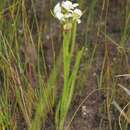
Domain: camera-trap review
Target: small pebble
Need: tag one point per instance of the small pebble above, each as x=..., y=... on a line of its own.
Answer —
x=84, y=111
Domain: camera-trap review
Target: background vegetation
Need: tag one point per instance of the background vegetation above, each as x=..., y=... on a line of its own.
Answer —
x=31, y=67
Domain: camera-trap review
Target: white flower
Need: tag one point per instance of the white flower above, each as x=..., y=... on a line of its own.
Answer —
x=67, y=12
x=67, y=5
x=78, y=12
x=57, y=12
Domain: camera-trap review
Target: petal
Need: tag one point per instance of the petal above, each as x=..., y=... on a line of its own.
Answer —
x=57, y=8
x=79, y=21
x=75, y=5
x=59, y=16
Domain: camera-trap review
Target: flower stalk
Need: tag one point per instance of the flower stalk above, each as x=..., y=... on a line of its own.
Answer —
x=69, y=16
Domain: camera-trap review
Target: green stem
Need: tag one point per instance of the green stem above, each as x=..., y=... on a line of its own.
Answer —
x=74, y=29
x=69, y=38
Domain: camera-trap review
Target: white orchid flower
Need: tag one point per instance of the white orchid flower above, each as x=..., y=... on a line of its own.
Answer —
x=57, y=12
x=78, y=12
x=67, y=5
x=67, y=11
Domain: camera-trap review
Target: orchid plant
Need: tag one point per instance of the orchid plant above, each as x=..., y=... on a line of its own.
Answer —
x=69, y=16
